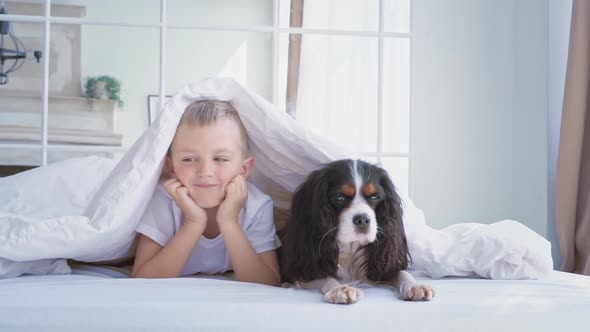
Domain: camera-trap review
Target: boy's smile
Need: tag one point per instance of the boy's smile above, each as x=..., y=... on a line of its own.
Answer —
x=204, y=185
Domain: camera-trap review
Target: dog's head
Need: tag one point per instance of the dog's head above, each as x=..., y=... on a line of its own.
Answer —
x=347, y=201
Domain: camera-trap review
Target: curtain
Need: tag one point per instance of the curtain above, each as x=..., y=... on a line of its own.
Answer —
x=295, y=21
x=573, y=164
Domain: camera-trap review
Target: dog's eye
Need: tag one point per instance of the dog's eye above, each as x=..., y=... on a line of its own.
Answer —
x=374, y=197
x=340, y=198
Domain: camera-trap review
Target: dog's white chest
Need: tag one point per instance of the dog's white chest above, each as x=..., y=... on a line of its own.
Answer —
x=350, y=261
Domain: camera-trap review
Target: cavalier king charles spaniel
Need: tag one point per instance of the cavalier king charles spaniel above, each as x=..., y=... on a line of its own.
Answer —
x=346, y=227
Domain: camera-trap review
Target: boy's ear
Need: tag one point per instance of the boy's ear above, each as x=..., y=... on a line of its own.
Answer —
x=169, y=166
x=247, y=166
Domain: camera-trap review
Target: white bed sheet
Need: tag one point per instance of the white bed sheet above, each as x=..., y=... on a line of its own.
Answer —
x=92, y=301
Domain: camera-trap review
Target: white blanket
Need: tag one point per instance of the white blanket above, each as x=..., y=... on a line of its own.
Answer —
x=87, y=209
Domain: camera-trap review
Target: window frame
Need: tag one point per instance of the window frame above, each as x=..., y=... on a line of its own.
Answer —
x=276, y=30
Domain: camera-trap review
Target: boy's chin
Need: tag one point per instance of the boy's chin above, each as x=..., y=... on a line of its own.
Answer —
x=207, y=203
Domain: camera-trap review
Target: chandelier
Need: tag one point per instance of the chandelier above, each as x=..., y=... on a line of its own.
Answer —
x=12, y=50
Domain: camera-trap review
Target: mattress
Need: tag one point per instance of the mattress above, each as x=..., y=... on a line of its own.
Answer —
x=98, y=299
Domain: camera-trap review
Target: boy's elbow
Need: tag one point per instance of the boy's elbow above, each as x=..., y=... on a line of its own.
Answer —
x=136, y=274
x=141, y=273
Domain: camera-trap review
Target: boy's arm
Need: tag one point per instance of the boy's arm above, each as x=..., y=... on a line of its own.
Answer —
x=155, y=261
x=248, y=265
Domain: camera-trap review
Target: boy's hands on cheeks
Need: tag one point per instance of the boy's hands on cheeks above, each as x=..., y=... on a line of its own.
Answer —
x=180, y=194
x=236, y=193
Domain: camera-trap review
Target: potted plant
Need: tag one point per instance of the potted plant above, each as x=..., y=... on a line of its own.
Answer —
x=103, y=87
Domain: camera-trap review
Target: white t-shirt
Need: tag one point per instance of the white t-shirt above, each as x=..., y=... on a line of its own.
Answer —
x=163, y=218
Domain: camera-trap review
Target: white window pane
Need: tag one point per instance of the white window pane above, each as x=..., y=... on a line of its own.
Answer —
x=21, y=103
x=128, y=11
x=106, y=57
x=372, y=160
x=396, y=95
x=397, y=16
x=399, y=171
x=337, y=89
x=219, y=12
x=25, y=75
x=359, y=15
x=196, y=54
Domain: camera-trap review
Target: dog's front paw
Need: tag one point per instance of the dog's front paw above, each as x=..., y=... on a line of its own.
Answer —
x=417, y=292
x=343, y=294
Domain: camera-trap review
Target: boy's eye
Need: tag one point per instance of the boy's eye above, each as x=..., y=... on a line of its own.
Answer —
x=221, y=159
x=189, y=159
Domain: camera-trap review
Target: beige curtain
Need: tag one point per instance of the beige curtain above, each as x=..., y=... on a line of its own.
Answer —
x=573, y=165
x=295, y=21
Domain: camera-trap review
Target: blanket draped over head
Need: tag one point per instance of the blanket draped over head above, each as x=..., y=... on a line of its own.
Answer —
x=87, y=209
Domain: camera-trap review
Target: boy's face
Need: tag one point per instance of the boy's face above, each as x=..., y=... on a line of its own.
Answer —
x=206, y=158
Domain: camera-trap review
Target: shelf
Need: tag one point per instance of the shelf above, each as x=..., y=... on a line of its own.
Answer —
x=64, y=112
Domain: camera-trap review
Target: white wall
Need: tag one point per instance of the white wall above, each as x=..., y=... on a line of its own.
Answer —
x=529, y=114
x=479, y=111
x=247, y=57
x=559, y=29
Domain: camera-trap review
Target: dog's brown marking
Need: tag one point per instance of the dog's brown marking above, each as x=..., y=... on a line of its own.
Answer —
x=348, y=190
x=369, y=189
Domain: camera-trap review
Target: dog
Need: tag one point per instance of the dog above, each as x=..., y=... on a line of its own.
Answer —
x=346, y=227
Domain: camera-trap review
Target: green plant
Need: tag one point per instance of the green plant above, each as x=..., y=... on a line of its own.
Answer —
x=112, y=88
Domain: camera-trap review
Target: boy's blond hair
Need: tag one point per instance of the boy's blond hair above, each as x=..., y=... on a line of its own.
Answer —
x=207, y=112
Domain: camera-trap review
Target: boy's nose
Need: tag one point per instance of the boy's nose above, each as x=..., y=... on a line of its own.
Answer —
x=204, y=169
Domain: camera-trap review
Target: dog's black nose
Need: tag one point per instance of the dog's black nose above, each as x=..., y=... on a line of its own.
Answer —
x=361, y=221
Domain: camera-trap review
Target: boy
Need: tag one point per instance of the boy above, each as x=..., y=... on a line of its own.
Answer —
x=206, y=218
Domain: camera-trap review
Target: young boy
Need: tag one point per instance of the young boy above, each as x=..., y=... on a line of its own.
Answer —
x=206, y=218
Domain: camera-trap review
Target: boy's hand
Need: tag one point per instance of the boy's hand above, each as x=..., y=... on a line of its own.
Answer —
x=180, y=194
x=236, y=193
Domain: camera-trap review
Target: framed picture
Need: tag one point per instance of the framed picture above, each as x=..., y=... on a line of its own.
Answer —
x=154, y=106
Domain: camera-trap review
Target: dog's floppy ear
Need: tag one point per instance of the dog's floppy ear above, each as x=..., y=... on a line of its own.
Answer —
x=309, y=250
x=389, y=254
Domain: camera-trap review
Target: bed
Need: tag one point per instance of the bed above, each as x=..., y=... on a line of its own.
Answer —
x=101, y=299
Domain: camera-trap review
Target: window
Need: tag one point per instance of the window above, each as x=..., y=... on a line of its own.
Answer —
x=340, y=67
